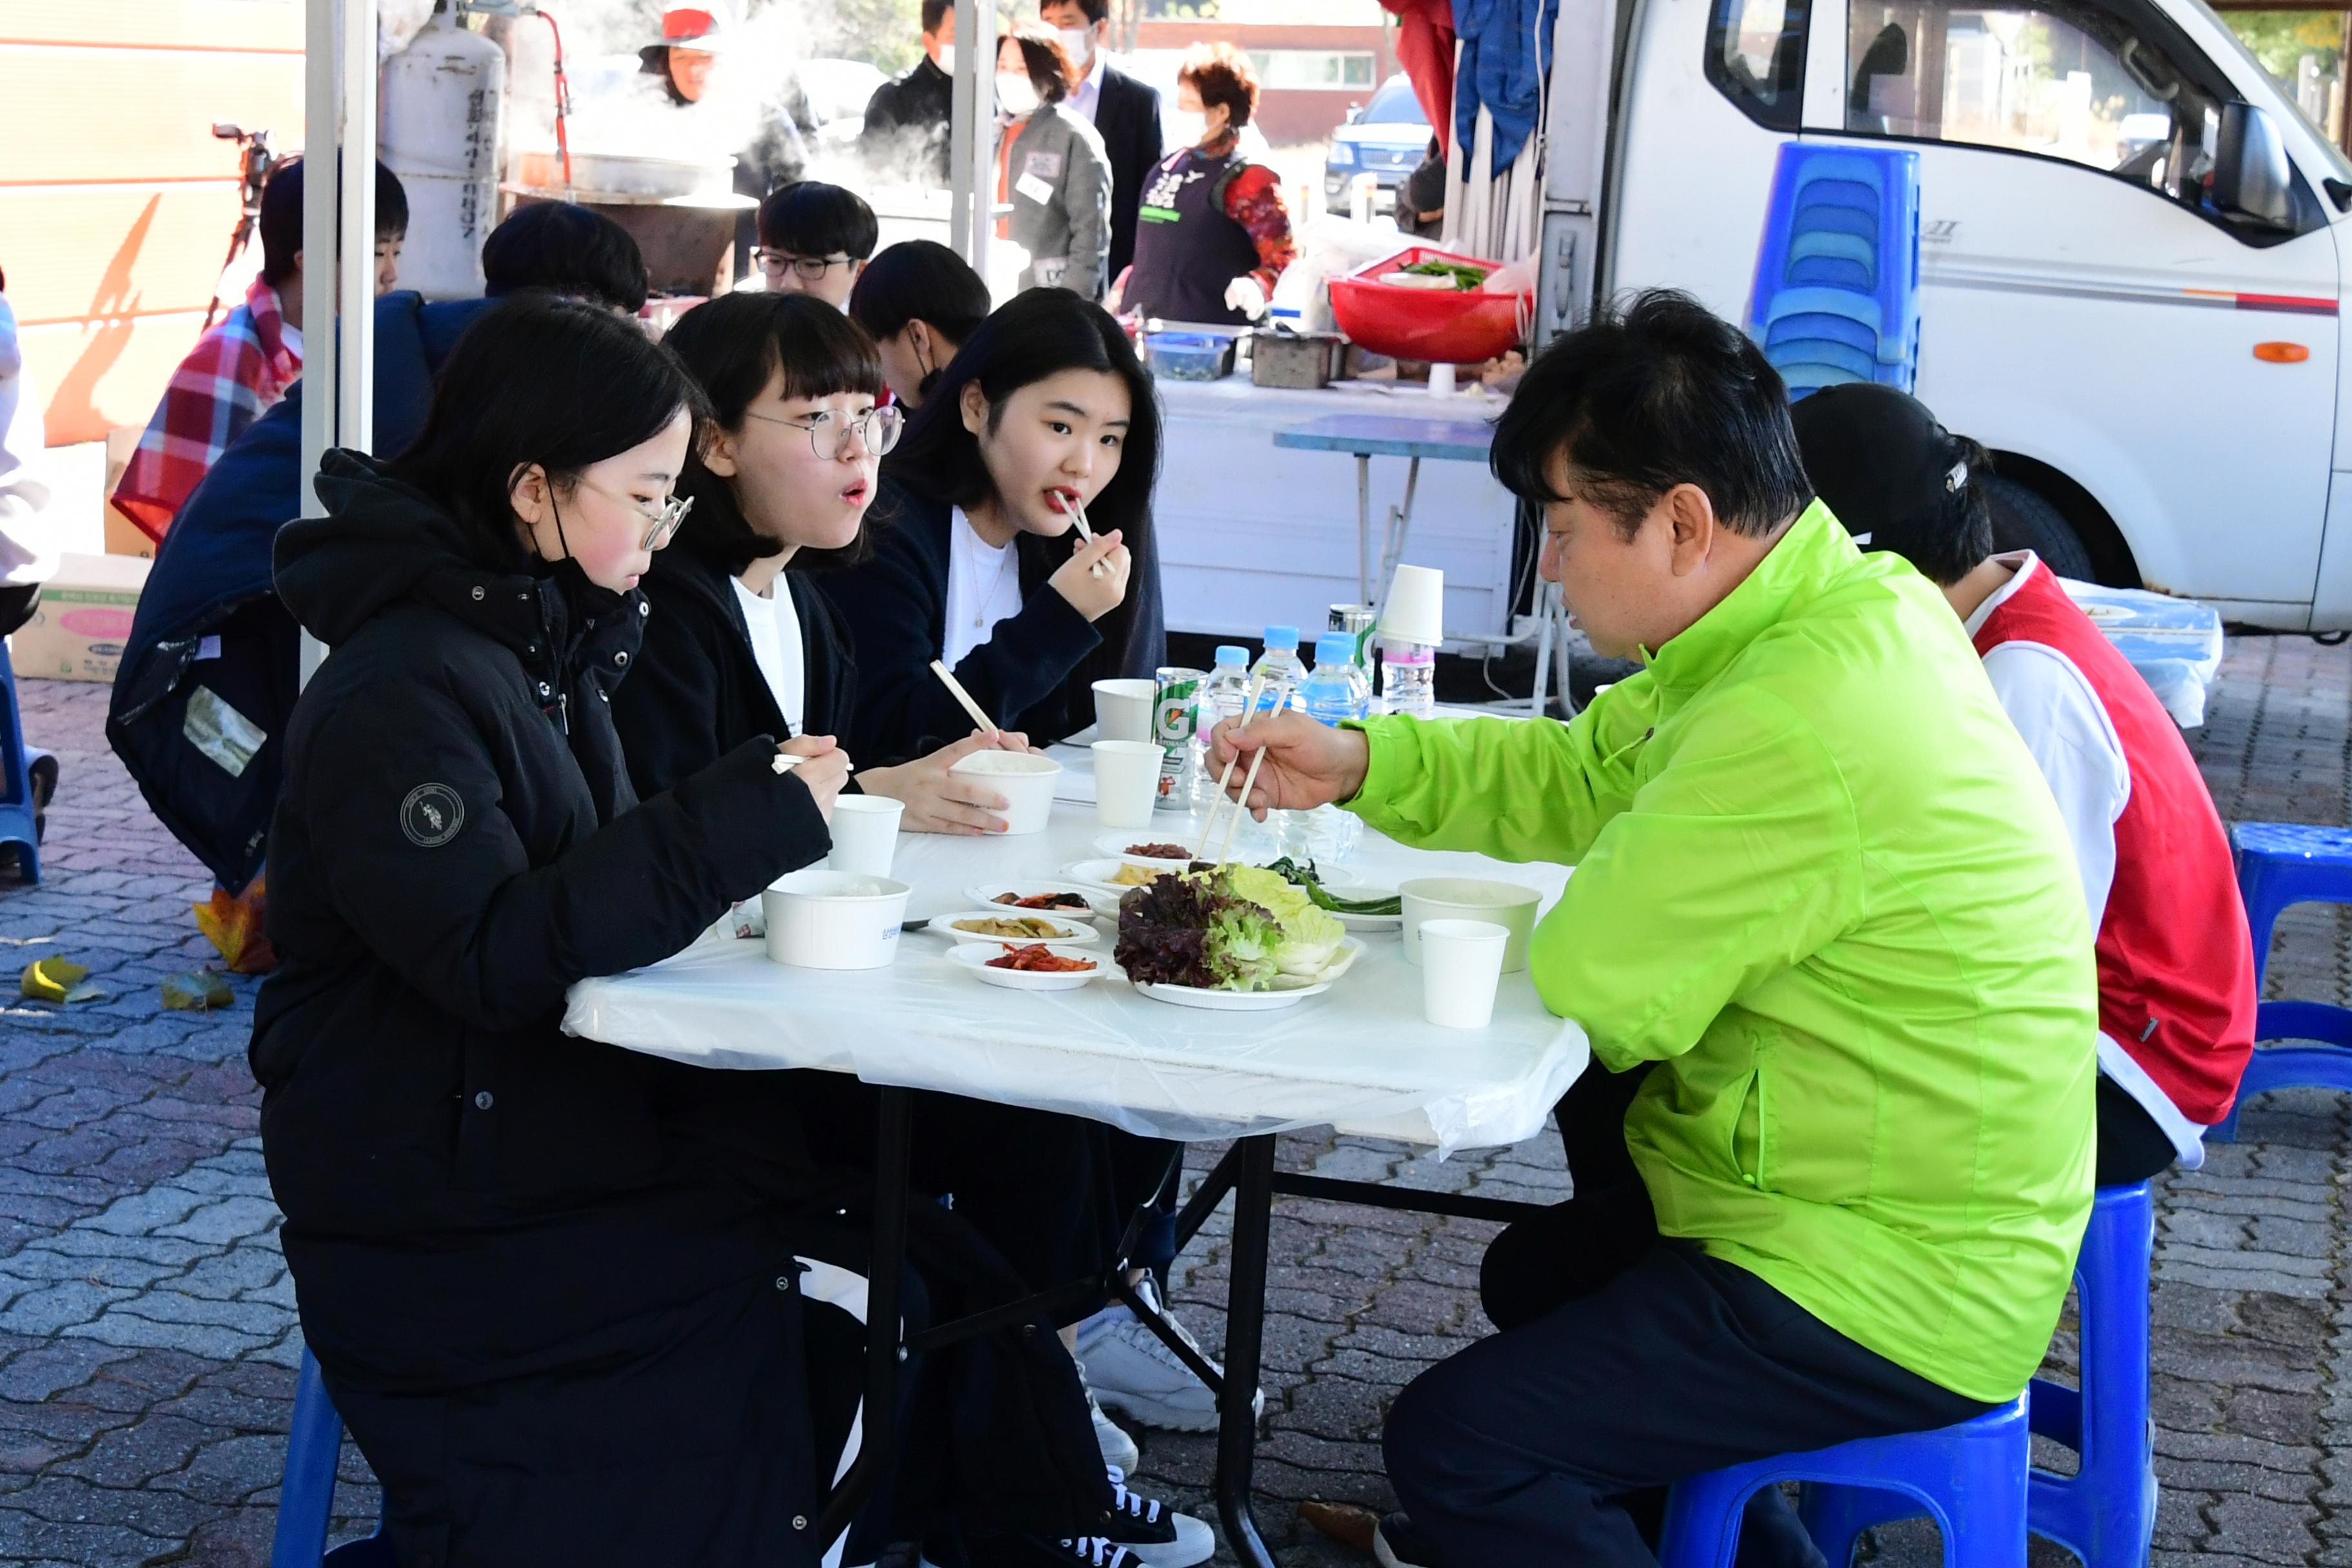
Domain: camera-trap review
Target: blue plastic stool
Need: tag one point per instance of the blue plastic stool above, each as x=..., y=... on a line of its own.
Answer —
x=1969, y=1479
x=16, y=823
x=1835, y=296
x=306, y=1503
x=2279, y=864
x=2105, y=1511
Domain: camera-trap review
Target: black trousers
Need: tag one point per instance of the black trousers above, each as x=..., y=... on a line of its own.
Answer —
x=1626, y=1362
x=1052, y=1194
x=17, y=606
x=2132, y=1147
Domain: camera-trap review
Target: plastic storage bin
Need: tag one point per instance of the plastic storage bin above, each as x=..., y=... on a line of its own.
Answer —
x=1444, y=326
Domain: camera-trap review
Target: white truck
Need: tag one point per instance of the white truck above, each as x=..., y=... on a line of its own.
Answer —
x=2133, y=251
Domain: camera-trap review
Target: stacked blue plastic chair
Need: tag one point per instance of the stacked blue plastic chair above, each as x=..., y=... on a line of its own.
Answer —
x=1969, y=1479
x=1836, y=294
x=306, y=1504
x=2105, y=1511
x=2279, y=864
x=17, y=826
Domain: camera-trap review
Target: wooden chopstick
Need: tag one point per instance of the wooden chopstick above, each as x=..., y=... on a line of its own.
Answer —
x=1241, y=807
x=1076, y=510
x=956, y=690
x=1216, y=801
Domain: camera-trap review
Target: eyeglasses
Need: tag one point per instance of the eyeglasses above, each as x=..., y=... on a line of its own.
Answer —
x=876, y=428
x=811, y=267
x=661, y=519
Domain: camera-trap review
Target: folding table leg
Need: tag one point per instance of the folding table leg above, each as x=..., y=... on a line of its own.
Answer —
x=1392, y=541
x=878, y=1449
x=1244, y=1329
x=1363, y=528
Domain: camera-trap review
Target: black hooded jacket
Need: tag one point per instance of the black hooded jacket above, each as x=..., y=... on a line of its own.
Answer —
x=697, y=693
x=550, y=1281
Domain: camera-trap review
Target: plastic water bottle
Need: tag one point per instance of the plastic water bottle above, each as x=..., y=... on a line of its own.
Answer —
x=1281, y=668
x=1409, y=678
x=1335, y=693
x=1223, y=696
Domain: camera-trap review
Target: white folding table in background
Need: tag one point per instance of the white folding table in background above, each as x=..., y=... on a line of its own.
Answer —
x=1358, y=1057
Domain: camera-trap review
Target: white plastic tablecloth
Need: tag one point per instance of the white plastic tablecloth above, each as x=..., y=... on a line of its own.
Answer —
x=1358, y=1057
x=2175, y=644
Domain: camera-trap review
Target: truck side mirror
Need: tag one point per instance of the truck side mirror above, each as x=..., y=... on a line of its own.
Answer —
x=2251, y=179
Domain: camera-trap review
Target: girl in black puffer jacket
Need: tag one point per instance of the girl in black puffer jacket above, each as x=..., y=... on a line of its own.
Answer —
x=540, y=1273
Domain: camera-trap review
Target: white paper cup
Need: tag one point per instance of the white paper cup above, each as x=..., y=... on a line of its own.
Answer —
x=865, y=833
x=1127, y=782
x=1025, y=780
x=1123, y=708
x=1461, y=965
x=1414, y=610
x=1508, y=904
x=833, y=919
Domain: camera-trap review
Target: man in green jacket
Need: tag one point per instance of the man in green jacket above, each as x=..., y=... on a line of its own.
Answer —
x=1823, y=900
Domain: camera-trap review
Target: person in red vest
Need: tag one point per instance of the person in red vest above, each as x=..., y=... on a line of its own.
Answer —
x=2176, y=968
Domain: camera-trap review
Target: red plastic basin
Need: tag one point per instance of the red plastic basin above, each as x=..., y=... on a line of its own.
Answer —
x=1444, y=326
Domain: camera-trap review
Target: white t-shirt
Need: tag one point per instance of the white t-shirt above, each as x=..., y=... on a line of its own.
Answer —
x=984, y=588
x=775, y=625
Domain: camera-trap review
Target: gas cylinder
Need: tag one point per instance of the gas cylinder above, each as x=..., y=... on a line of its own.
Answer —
x=439, y=108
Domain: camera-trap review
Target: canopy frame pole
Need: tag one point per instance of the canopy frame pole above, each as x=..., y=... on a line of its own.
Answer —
x=339, y=138
x=971, y=118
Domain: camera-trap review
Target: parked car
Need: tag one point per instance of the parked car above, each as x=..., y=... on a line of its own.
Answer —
x=1385, y=139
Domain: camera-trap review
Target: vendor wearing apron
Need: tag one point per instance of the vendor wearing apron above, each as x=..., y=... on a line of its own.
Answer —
x=1212, y=235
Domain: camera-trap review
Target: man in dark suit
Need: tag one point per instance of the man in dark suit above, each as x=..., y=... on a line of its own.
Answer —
x=906, y=129
x=1125, y=110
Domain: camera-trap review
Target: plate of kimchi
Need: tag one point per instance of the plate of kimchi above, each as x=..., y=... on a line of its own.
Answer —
x=1030, y=965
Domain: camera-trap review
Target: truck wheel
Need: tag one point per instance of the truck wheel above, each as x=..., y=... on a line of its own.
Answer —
x=2023, y=520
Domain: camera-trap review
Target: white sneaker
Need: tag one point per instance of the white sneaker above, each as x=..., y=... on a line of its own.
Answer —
x=1131, y=1371
x=1119, y=1450
x=1154, y=1532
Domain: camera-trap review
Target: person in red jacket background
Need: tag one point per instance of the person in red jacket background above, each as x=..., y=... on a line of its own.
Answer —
x=2175, y=966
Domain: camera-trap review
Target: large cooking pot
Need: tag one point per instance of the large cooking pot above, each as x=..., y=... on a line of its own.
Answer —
x=625, y=174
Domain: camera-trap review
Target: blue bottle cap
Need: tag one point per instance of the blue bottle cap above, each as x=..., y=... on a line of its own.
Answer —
x=1231, y=653
x=1281, y=637
x=1336, y=648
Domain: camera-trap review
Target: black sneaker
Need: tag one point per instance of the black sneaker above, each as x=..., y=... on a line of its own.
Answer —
x=1034, y=1552
x=1396, y=1544
x=1154, y=1533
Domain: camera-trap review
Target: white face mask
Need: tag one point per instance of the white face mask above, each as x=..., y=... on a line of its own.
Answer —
x=1078, y=43
x=1016, y=95
x=1185, y=127
x=947, y=59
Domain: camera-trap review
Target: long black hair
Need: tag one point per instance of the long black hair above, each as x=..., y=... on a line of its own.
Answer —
x=538, y=379
x=1035, y=334
x=732, y=346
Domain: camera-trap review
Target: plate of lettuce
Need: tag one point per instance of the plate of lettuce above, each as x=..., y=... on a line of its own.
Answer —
x=1235, y=938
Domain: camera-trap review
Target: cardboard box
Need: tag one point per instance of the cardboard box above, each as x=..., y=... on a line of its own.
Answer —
x=83, y=621
x=122, y=535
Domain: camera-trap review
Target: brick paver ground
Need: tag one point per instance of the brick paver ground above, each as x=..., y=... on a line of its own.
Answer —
x=147, y=1324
